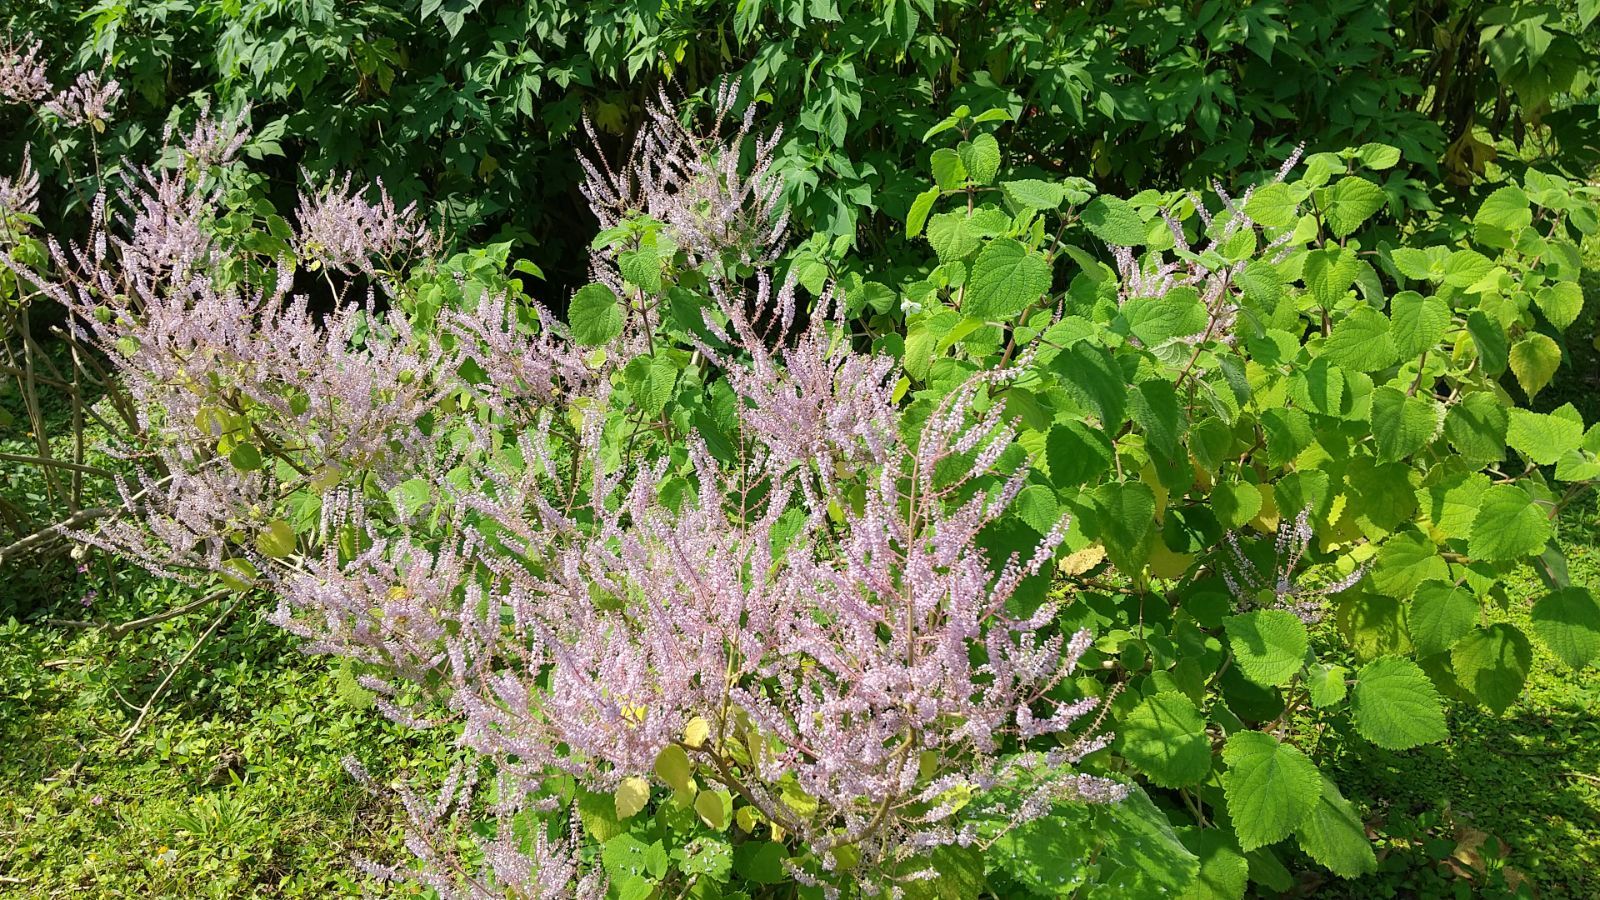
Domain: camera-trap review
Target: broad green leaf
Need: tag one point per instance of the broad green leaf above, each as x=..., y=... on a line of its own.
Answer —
x=1124, y=519
x=1165, y=737
x=1269, y=645
x=598, y=813
x=1534, y=360
x=1093, y=379
x=1325, y=684
x=1542, y=437
x=1402, y=425
x=1288, y=432
x=1360, y=341
x=1318, y=387
x=1396, y=706
x=1417, y=323
x=1271, y=205
x=760, y=861
x=1492, y=663
x=1491, y=341
x=1502, y=214
x=1476, y=427
x=1031, y=193
x=1405, y=561
x=1112, y=220
x=1425, y=264
x=1235, y=503
x=981, y=157
x=1333, y=835
x=595, y=315
x=1223, y=869
x=1378, y=156
x=1155, y=407
x=1509, y=525
x=641, y=268
x=1329, y=273
x=949, y=172
x=1465, y=268
x=1141, y=855
x=1006, y=278
x=1156, y=320
x=715, y=809
x=1560, y=302
x=1270, y=788
x=1441, y=613
x=1568, y=622
x=952, y=236
x=1076, y=454
x=920, y=207
x=1350, y=202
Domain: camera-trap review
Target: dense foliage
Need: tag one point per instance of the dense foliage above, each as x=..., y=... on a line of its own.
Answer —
x=472, y=105
x=888, y=513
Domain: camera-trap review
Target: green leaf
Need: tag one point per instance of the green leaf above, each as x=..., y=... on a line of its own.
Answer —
x=673, y=767
x=981, y=156
x=1031, y=193
x=1568, y=622
x=1405, y=561
x=1417, y=323
x=1141, y=856
x=1476, y=427
x=245, y=458
x=1156, y=320
x=1561, y=303
x=1329, y=273
x=1509, y=525
x=650, y=380
x=1271, y=205
x=1333, y=835
x=1325, y=684
x=949, y=173
x=1224, y=872
x=1542, y=437
x=920, y=207
x=1403, y=425
x=1360, y=341
x=952, y=236
x=1165, y=737
x=1378, y=156
x=1269, y=645
x=1421, y=264
x=595, y=315
x=760, y=861
x=1076, y=454
x=1094, y=380
x=1288, y=432
x=1270, y=788
x=1492, y=663
x=1125, y=515
x=1006, y=278
x=1235, y=503
x=1112, y=220
x=642, y=268
x=1396, y=706
x=1502, y=214
x=276, y=540
x=1490, y=339
x=1534, y=360
x=1441, y=613
x=1350, y=202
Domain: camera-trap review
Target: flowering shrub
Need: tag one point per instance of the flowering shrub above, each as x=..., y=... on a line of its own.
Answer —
x=1008, y=566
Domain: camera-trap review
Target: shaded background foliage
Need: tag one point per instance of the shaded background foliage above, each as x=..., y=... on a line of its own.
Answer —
x=474, y=104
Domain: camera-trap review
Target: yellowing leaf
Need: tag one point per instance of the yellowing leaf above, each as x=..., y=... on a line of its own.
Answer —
x=631, y=796
x=696, y=732
x=673, y=766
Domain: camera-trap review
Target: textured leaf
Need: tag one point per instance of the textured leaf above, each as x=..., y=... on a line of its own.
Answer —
x=1542, y=437
x=1350, y=202
x=1417, y=323
x=1269, y=645
x=673, y=767
x=1271, y=205
x=1508, y=526
x=1325, y=684
x=1095, y=381
x=1006, y=278
x=1165, y=737
x=1441, y=613
x=1156, y=320
x=949, y=172
x=1561, y=303
x=630, y=796
x=1490, y=339
x=981, y=156
x=1396, y=706
x=1124, y=519
x=1031, y=193
x=1492, y=663
x=1402, y=425
x=1112, y=220
x=1141, y=855
x=1224, y=872
x=595, y=315
x=1425, y=264
x=1405, y=561
x=920, y=207
x=1503, y=213
x=952, y=236
x=1270, y=787
x=1333, y=835
x=1534, y=360
x=1476, y=427
x=1361, y=342
x=1568, y=622
x=1329, y=273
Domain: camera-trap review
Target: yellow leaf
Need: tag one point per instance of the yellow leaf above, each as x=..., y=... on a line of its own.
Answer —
x=1083, y=560
x=714, y=808
x=696, y=732
x=746, y=818
x=1166, y=563
x=631, y=796
x=673, y=765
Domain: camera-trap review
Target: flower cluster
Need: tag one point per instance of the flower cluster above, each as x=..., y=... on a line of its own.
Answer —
x=22, y=75
x=1252, y=589
x=339, y=229
x=19, y=196
x=87, y=102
